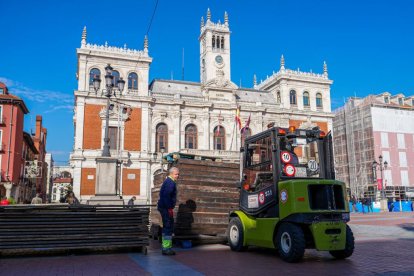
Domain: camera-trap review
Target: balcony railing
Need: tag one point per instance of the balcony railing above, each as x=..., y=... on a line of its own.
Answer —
x=132, y=91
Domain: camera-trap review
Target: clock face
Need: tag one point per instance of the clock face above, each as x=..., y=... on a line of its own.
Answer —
x=219, y=59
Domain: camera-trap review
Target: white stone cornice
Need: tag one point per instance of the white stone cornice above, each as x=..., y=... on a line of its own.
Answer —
x=293, y=75
x=105, y=49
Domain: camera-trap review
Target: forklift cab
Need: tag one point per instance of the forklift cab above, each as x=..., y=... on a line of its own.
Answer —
x=279, y=154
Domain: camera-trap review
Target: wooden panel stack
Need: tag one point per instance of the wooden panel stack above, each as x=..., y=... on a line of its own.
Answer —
x=207, y=192
x=31, y=228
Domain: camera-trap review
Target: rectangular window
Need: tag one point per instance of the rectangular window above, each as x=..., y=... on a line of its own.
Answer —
x=219, y=143
x=404, y=178
x=401, y=141
x=387, y=178
x=318, y=102
x=400, y=101
x=403, y=159
x=113, y=138
x=384, y=140
x=386, y=157
x=387, y=100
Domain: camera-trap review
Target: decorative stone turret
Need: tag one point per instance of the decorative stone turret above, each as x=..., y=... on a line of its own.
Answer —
x=254, y=81
x=83, y=42
x=202, y=22
x=215, y=52
x=282, y=63
x=145, y=44
x=325, y=69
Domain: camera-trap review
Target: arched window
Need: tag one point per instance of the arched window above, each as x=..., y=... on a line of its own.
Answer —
x=278, y=99
x=115, y=80
x=219, y=138
x=158, y=172
x=292, y=96
x=161, y=137
x=217, y=41
x=191, y=137
x=306, y=98
x=133, y=81
x=222, y=42
x=245, y=133
x=92, y=74
x=213, y=41
x=318, y=100
x=66, y=174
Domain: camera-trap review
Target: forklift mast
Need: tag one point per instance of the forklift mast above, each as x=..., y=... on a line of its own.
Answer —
x=280, y=154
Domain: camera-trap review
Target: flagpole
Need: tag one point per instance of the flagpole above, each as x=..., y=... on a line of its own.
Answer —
x=232, y=135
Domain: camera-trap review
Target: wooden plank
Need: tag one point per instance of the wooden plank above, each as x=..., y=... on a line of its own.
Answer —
x=51, y=227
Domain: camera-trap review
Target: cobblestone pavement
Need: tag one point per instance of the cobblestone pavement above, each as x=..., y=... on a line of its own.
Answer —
x=384, y=246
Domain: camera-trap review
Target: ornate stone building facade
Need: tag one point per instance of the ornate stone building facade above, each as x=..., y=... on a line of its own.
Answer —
x=190, y=117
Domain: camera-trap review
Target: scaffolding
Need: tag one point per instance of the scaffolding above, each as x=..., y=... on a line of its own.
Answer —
x=354, y=147
x=354, y=151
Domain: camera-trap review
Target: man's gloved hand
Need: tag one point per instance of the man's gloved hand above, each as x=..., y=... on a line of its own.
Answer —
x=171, y=212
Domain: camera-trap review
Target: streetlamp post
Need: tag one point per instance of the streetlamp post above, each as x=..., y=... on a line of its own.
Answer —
x=109, y=92
x=106, y=190
x=381, y=166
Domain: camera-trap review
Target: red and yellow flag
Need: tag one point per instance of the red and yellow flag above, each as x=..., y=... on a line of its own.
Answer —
x=237, y=118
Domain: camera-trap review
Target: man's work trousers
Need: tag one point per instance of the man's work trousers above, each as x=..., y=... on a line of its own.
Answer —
x=167, y=228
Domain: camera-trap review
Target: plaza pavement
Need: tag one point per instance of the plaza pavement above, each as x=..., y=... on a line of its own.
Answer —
x=384, y=246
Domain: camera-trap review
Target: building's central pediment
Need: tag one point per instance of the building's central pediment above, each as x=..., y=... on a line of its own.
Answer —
x=221, y=83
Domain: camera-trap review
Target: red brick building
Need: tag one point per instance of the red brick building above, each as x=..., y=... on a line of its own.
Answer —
x=12, y=111
x=21, y=154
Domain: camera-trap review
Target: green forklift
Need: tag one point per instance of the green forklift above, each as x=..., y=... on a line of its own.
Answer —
x=289, y=198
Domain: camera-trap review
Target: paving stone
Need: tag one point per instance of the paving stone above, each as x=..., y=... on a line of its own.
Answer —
x=384, y=246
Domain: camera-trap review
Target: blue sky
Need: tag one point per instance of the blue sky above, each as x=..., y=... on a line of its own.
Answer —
x=368, y=46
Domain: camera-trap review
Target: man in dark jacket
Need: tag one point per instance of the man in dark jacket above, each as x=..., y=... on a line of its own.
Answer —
x=131, y=201
x=166, y=204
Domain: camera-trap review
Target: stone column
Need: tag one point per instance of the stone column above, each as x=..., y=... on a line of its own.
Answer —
x=284, y=94
x=177, y=131
x=206, y=131
x=77, y=172
x=145, y=129
x=80, y=110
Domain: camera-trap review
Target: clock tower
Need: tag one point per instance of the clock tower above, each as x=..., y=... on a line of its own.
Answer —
x=215, y=51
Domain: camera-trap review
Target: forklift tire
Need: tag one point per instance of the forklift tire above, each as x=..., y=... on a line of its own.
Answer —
x=290, y=242
x=235, y=235
x=349, y=246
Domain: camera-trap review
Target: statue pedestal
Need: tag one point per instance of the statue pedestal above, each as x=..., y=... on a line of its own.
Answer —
x=106, y=183
x=384, y=205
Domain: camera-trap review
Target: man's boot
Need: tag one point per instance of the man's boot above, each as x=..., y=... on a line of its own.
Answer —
x=167, y=245
x=168, y=252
